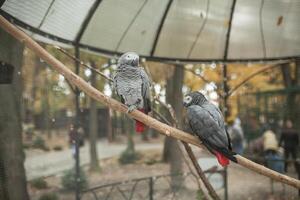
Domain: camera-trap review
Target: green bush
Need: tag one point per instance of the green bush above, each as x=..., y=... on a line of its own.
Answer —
x=49, y=196
x=39, y=143
x=128, y=156
x=200, y=195
x=39, y=183
x=26, y=146
x=57, y=148
x=69, y=180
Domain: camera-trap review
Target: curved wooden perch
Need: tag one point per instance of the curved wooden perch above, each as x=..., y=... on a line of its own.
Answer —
x=149, y=121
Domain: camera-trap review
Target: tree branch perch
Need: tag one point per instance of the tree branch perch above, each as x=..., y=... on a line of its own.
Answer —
x=149, y=121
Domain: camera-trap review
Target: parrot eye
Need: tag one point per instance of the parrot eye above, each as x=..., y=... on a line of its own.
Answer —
x=187, y=99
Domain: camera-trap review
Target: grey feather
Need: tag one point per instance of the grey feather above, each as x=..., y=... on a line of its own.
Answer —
x=133, y=86
x=205, y=124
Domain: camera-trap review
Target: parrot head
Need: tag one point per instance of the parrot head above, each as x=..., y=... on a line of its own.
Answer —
x=194, y=98
x=129, y=58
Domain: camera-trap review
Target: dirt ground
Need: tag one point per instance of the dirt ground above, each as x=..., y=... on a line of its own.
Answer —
x=242, y=183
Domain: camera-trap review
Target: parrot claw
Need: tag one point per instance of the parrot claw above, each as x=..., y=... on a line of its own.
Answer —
x=131, y=108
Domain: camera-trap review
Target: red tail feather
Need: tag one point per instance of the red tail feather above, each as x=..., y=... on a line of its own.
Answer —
x=222, y=159
x=139, y=126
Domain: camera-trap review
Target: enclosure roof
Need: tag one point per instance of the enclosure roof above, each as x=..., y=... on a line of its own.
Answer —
x=183, y=30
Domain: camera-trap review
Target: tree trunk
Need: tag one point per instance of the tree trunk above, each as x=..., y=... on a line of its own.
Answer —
x=297, y=72
x=47, y=107
x=13, y=178
x=94, y=164
x=172, y=152
x=289, y=82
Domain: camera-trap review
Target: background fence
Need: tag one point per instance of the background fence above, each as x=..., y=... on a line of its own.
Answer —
x=152, y=188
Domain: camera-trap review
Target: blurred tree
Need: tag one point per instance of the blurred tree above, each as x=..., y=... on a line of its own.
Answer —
x=13, y=179
x=291, y=78
x=171, y=152
x=93, y=130
x=129, y=155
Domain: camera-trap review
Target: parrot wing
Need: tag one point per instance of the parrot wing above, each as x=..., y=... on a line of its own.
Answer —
x=206, y=126
x=146, y=84
x=218, y=117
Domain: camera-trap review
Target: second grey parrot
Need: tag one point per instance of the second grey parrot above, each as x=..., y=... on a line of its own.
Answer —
x=207, y=122
x=132, y=84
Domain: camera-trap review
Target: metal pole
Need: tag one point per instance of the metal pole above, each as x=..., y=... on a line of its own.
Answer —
x=76, y=127
x=226, y=115
x=151, y=188
x=226, y=184
x=225, y=85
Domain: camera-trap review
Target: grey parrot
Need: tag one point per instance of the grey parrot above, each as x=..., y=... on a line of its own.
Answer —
x=132, y=84
x=206, y=121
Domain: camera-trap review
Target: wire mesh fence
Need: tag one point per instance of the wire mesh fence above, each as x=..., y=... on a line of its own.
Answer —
x=269, y=107
x=170, y=186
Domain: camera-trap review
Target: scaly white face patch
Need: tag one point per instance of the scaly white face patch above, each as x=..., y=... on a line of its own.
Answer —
x=129, y=58
x=187, y=100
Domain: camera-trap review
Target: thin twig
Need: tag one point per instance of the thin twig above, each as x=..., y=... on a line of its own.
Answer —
x=191, y=170
x=244, y=81
x=200, y=172
x=196, y=74
x=83, y=64
x=162, y=117
x=71, y=86
x=113, y=104
x=187, y=148
x=191, y=154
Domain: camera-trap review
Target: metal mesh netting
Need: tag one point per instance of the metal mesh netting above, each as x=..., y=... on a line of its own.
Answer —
x=193, y=29
x=271, y=107
x=146, y=188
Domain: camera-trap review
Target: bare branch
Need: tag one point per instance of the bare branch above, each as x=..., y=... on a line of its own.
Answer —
x=243, y=82
x=83, y=64
x=196, y=74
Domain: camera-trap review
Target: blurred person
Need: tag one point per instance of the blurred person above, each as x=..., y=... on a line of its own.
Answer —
x=272, y=153
x=236, y=134
x=81, y=136
x=72, y=138
x=270, y=143
x=289, y=139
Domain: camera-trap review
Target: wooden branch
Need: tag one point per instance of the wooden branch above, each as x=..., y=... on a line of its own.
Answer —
x=200, y=172
x=243, y=82
x=191, y=170
x=71, y=86
x=191, y=154
x=83, y=64
x=113, y=104
x=183, y=155
x=162, y=117
x=169, y=108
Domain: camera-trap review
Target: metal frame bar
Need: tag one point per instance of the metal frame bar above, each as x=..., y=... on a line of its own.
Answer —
x=229, y=30
x=160, y=27
x=87, y=21
x=130, y=24
x=46, y=14
x=226, y=87
x=200, y=30
x=1, y=3
x=76, y=127
x=185, y=60
x=34, y=29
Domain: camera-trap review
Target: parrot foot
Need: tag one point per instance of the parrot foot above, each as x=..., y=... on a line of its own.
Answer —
x=131, y=108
